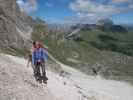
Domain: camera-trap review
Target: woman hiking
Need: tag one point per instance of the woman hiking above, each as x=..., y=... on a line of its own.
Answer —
x=38, y=60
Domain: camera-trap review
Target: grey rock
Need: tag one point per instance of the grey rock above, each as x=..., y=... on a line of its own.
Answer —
x=15, y=26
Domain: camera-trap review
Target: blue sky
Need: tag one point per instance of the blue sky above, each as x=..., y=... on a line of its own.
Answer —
x=79, y=11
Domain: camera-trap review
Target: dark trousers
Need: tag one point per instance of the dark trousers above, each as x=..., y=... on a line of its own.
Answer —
x=37, y=72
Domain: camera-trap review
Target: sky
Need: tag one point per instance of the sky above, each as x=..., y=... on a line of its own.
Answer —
x=79, y=11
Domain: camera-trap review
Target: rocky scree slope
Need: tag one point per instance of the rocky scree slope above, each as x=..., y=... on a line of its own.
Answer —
x=15, y=26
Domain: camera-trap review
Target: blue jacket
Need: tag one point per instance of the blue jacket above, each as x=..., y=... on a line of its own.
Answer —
x=38, y=54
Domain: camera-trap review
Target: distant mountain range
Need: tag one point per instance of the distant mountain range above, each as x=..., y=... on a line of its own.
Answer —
x=102, y=48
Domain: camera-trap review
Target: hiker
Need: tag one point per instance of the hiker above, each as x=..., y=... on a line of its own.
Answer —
x=39, y=56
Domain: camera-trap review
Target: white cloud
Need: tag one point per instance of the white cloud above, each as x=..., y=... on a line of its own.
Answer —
x=91, y=7
x=121, y=1
x=28, y=5
x=131, y=6
x=91, y=10
x=48, y=4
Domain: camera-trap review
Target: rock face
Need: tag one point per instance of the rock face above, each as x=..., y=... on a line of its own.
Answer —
x=15, y=26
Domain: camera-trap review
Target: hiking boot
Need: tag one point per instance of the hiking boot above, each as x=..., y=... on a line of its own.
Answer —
x=40, y=81
x=44, y=81
x=45, y=78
